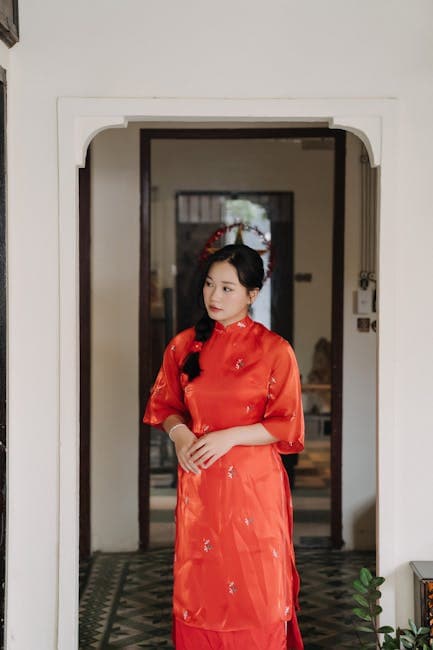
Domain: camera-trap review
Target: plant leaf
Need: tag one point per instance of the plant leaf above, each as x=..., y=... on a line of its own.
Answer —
x=365, y=576
x=360, y=587
x=377, y=581
x=363, y=628
x=413, y=627
x=362, y=613
x=377, y=609
x=361, y=600
x=386, y=629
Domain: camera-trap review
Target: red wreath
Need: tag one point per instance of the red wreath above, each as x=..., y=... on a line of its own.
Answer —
x=209, y=247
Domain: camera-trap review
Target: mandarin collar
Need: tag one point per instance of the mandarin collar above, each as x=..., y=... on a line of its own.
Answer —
x=238, y=326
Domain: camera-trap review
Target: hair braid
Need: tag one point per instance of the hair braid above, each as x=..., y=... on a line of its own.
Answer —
x=203, y=330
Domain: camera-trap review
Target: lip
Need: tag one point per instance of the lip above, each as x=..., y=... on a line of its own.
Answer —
x=214, y=308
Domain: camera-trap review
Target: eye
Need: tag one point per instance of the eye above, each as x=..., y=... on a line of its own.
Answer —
x=208, y=283
x=227, y=289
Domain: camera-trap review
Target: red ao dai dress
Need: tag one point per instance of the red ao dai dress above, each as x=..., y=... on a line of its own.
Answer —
x=235, y=581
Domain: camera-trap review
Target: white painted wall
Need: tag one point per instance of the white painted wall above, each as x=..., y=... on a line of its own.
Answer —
x=324, y=50
x=114, y=341
x=359, y=381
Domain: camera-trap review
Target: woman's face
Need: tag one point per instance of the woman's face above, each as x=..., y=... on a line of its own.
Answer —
x=225, y=298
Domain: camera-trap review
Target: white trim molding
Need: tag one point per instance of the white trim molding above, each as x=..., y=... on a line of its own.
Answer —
x=375, y=121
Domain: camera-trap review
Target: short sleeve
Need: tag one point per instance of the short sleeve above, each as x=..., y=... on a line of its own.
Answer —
x=283, y=417
x=166, y=396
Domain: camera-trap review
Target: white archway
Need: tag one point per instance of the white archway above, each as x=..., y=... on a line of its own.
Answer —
x=375, y=122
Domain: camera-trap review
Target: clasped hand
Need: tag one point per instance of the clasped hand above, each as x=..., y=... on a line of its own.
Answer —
x=204, y=451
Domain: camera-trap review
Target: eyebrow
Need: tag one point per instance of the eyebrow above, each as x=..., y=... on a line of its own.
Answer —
x=223, y=281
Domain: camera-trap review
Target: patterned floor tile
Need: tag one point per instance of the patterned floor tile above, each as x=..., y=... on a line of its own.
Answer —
x=126, y=598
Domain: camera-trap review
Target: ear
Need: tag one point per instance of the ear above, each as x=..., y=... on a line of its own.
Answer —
x=253, y=295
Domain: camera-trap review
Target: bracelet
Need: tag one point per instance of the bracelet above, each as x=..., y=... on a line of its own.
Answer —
x=180, y=424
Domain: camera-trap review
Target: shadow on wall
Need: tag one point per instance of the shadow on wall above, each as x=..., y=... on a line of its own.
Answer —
x=364, y=529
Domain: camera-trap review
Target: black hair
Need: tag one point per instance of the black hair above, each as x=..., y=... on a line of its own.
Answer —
x=249, y=267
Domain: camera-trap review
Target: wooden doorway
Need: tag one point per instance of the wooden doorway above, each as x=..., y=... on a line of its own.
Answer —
x=145, y=326
x=145, y=341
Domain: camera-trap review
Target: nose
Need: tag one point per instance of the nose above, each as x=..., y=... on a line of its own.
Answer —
x=215, y=293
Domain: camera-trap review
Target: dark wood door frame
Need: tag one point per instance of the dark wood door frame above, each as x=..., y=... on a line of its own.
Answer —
x=145, y=380
x=337, y=338
x=3, y=325
x=85, y=351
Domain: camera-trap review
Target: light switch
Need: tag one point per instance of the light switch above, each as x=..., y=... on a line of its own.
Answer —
x=364, y=301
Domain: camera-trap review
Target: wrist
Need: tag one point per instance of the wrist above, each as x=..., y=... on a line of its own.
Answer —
x=178, y=427
x=233, y=435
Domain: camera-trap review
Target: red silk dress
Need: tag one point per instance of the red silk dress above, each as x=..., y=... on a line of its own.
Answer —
x=235, y=581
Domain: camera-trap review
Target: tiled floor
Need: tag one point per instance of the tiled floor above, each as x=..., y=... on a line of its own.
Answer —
x=126, y=599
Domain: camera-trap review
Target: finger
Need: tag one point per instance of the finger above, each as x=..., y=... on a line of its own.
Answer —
x=189, y=458
x=195, y=445
x=204, y=457
x=210, y=462
x=199, y=455
x=191, y=465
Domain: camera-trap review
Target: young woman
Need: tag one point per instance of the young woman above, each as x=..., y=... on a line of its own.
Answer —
x=228, y=395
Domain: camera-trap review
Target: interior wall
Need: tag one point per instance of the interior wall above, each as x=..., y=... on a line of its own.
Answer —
x=114, y=341
x=212, y=165
x=359, y=380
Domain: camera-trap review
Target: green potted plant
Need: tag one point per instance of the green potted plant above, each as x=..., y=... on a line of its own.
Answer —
x=367, y=596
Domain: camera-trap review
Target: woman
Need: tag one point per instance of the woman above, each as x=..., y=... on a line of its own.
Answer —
x=228, y=395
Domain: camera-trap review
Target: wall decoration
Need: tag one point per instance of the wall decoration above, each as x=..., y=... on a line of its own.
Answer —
x=239, y=227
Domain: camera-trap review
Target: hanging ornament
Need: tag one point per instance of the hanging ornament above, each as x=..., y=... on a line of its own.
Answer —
x=239, y=227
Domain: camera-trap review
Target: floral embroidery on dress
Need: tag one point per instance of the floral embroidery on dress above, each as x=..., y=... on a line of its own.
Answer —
x=185, y=615
x=239, y=363
x=196, y=346
x=172, y=348
x=286, y=610
x=241, y=323
x=186, y=500
x=248, y=521
x=207, y=546
x=231, y=471
x=205, y=428
x=232, y=588
x=158, y=385
x=250, y=407
x=275, y=552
